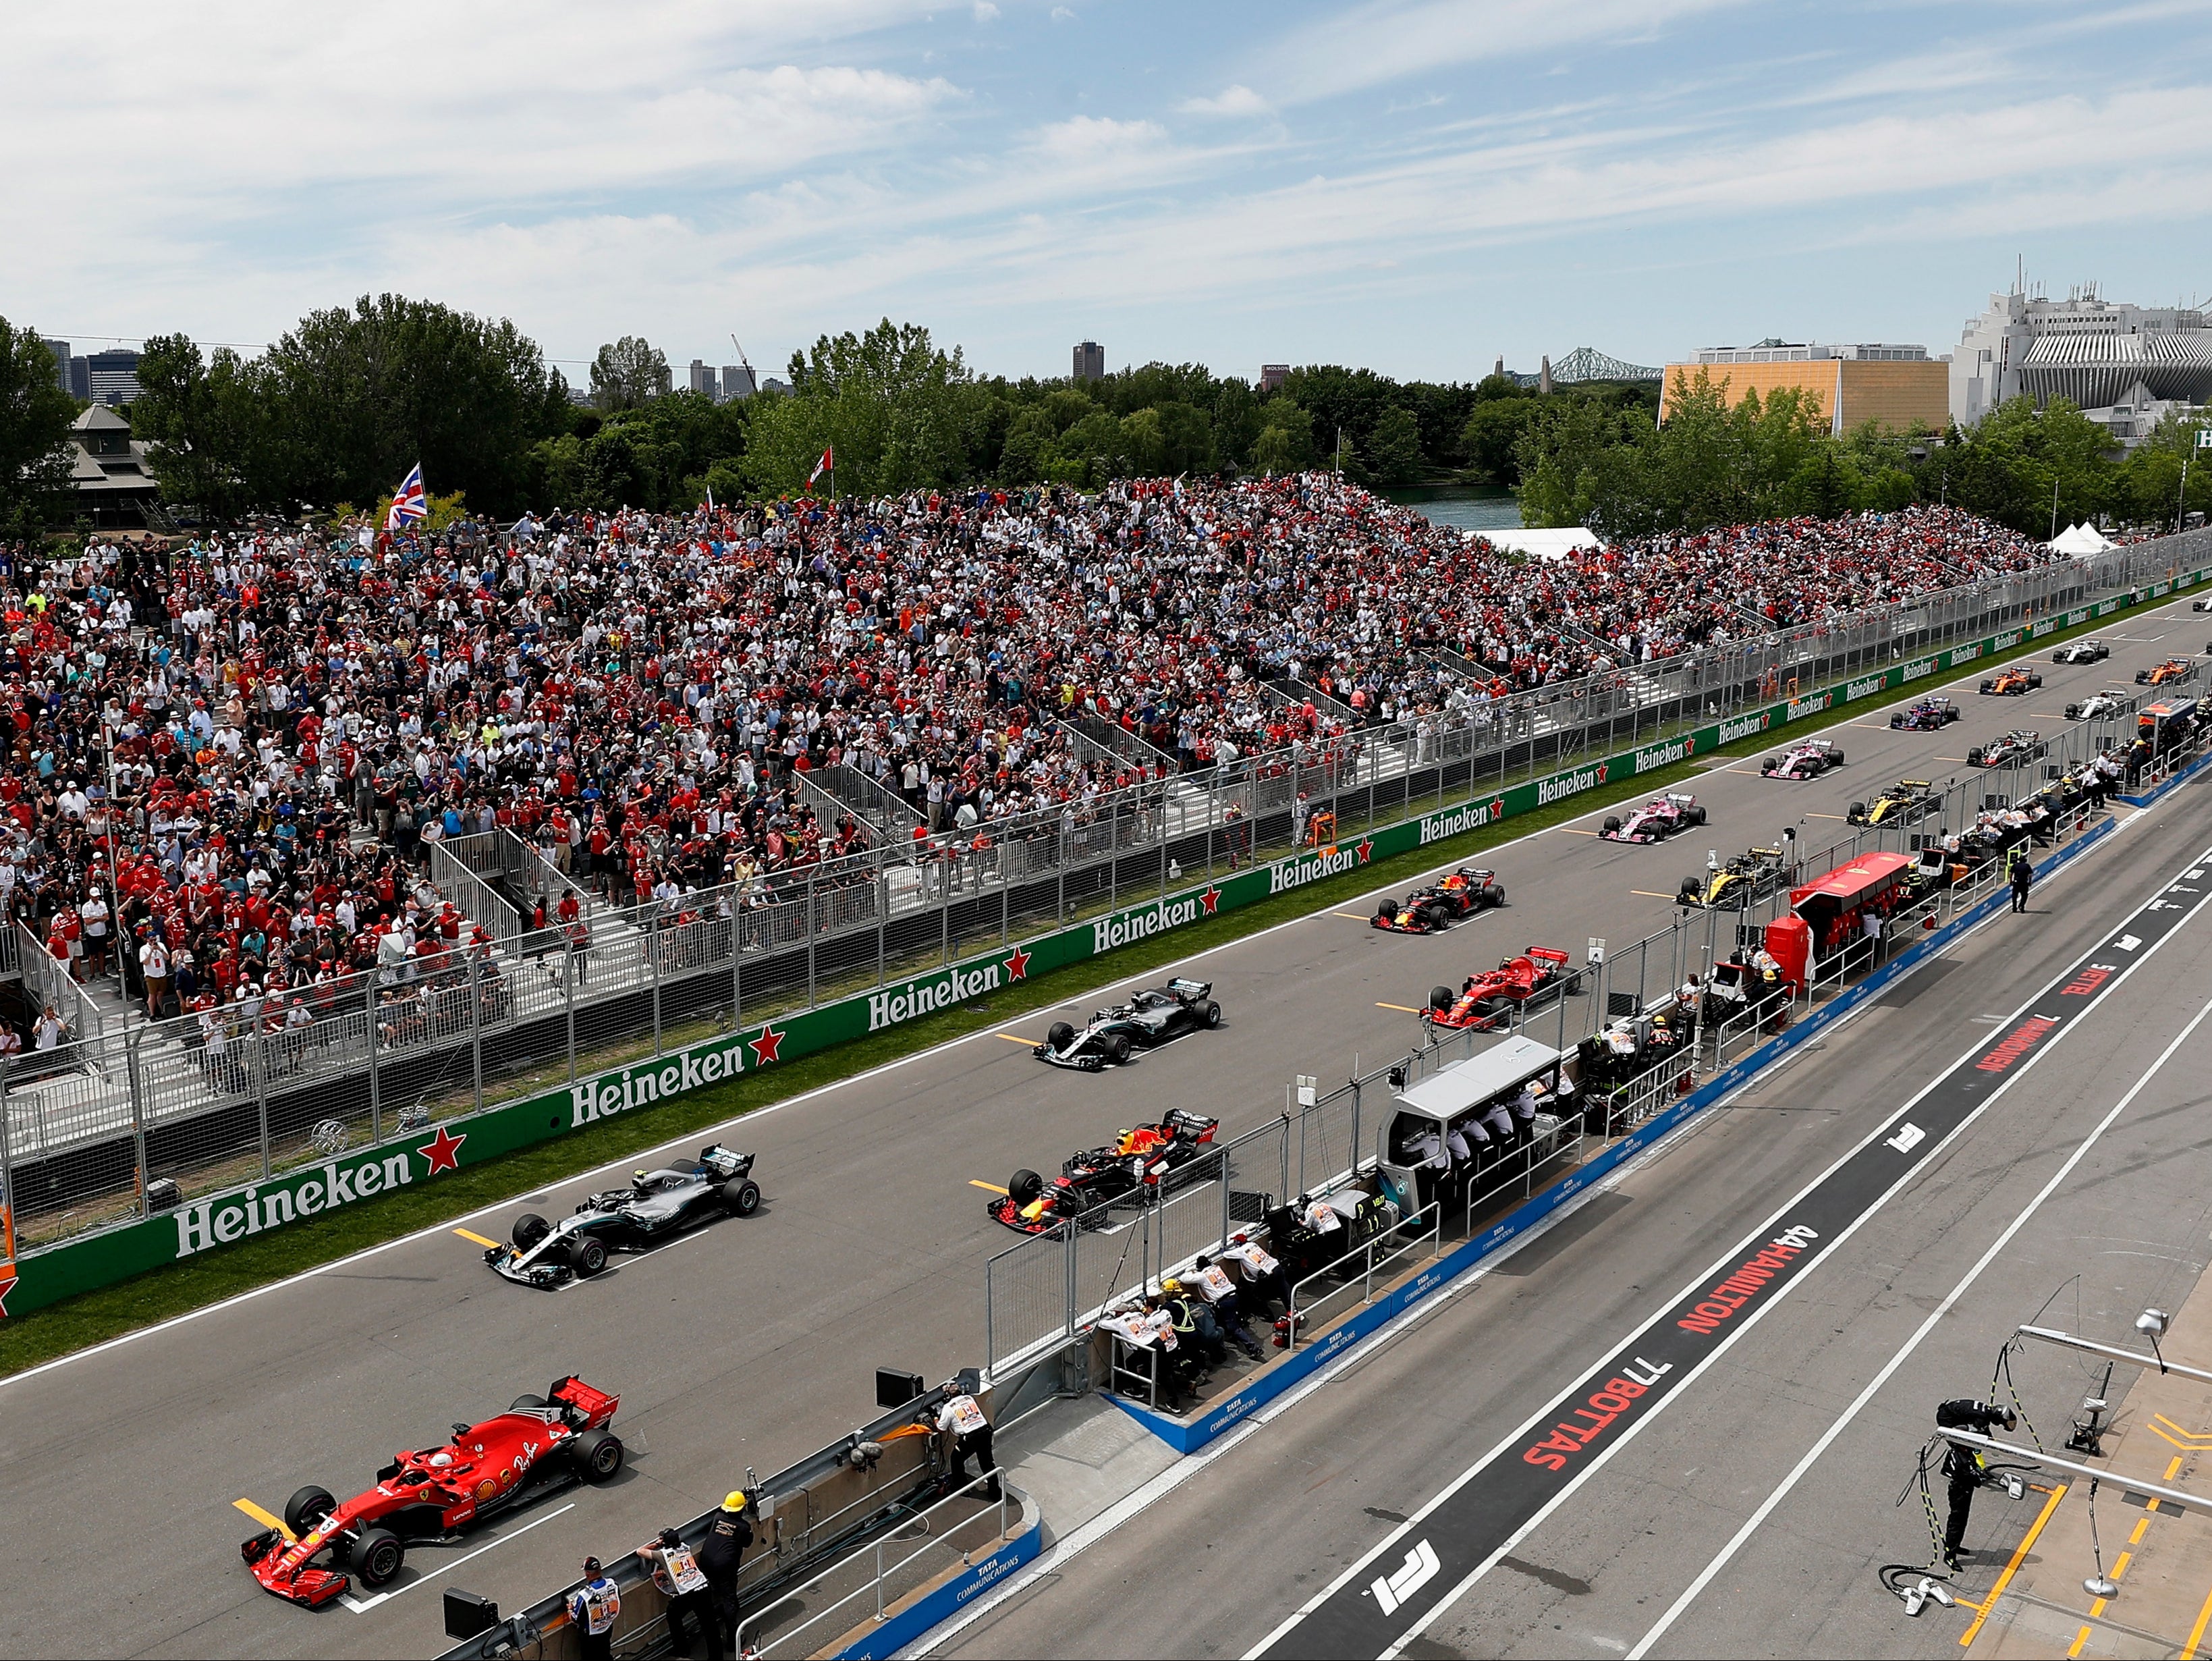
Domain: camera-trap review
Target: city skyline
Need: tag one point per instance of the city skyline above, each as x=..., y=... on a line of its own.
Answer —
x=1406, y=185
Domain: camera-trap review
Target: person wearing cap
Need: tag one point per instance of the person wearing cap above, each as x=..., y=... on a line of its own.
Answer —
x=683, y=1583
x=593, y=1607
x=1262, y=1273
x=961, y=1419
x=728, y=1534
x=1212, y=1283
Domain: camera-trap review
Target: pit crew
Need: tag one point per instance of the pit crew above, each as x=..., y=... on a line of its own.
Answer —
x=684, y=1584
x=727, y=1537
x=1262, y=1273
x=1220, y=1293
x=593, y=1607
x=961, y=1419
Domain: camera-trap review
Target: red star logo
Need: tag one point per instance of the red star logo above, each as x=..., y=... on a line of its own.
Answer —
x=1017, y=966
x=1212, y=901
x=1600, y=772
x=6, y=1286
x=1690, y=745
x=1366, y=846
x=764, y=1047
x=1497, y=807
x=443, y=1151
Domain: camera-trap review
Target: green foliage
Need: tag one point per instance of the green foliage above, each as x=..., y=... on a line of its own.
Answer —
x=1286, y=441
x=628, y=372
x=898, y=413
x=35, y=414
x=205, y=425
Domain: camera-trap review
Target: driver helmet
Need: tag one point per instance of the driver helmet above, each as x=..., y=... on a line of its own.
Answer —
x=637, y=1177
x=441, y=1459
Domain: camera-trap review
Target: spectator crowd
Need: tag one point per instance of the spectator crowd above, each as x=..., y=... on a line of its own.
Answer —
x=228, y=761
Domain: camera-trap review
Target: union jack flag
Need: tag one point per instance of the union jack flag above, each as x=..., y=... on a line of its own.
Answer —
x=407, y=503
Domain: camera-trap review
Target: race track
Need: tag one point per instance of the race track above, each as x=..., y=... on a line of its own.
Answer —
x=754, y=1341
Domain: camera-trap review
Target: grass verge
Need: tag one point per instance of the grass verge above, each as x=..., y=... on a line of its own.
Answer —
x=93, y=1317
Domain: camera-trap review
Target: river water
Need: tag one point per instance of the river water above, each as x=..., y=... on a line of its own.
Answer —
x=1469, y=509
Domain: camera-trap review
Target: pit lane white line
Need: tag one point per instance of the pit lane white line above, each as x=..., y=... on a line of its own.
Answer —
x=363, y=1605
x=629, y=1160
x=1813, y=1454
x=1397, y=1535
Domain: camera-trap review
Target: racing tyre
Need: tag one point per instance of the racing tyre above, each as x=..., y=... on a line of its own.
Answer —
x=1612, y=821
x=1835, y=758
x=1691, y=888
x=741, y=1198
x=1025, y=1187
x=1974, y=756
x=1059, y=1038
x=588, y=1255
x=2034, y=682
x=1493, y=894
x=1766, y=768
x=1209, y=1013
x=1697, y=815
x=599, y=1454
x=375, y=1556
x=529, y=1229
x=1440, y=998
x=526, y=1403
x=1857, y=812
x=1988, y=687
x=1117, y=1048
x=309, y=1507
x=1386, y=909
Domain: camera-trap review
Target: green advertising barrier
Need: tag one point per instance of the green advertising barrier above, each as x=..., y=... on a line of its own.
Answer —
x=101, y=1259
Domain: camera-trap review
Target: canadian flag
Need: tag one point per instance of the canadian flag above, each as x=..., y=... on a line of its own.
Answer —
x=829, y=460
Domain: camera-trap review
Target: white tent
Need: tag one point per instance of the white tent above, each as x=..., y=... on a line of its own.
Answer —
x=2076, y=540
x=1554, y=544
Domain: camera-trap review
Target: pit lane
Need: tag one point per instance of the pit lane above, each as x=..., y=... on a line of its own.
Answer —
x=758, y=1343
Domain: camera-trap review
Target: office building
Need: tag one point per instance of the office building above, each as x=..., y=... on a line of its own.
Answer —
x=60, y=348
x=1900, y=387
x=1273, y=375
x=1090, y=360
x=705, y=381
x=738, y=381
x=112, y=377
x=2096, y=352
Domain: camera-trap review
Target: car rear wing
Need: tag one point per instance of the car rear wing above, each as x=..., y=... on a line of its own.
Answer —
x=595, y=1405
x=1190, y=989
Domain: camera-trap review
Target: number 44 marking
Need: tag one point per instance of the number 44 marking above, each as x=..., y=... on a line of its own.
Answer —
x=1392, y=1589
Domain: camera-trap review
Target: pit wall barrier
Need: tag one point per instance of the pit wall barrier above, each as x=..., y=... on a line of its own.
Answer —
x=107, y=1257
x=1300, y=1364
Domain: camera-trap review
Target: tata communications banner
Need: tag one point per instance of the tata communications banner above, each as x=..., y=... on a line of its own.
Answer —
x=129, y=1249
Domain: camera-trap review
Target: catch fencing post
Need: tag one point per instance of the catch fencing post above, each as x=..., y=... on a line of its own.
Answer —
x=653, y=963
x=260, y=1065
x=475, y=1031
x=137, y=1123
x=568, y=993
x=375, y=1098
x=813, y=934
x=7, y=1166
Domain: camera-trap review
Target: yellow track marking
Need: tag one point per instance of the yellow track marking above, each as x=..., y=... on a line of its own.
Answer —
x=1016, y=1037
x=993, y=1187
x=1844, y=817
x=2196, y=1632
x=2019, y=1553
x=1402, y=1008
x=277, y=1522
x=478, y=1238
x=1355, y=917
x=1645, y=893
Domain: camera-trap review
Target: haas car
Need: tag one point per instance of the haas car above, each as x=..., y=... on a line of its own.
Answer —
x=1926, y=714
x=1754, y=872
x=657, y=1205
x=2013, y=683
x=2082, y=651
x=1489, y=999
x=2098, y=706
x=1441, y=904
x=1657, y=820
x=2015, y=749
x=1807, y=760
x=2173, y=669
x=1149, y=1018
x=434, y=1494
x=1136, y=1166
x=1908, y=799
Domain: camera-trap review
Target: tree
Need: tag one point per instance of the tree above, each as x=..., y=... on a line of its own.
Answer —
x=1491, y=435
x=204, y=426
x=1285, y=444
x=1393, y=447
x=35, y=414
x=899, y=413
x=627, y=373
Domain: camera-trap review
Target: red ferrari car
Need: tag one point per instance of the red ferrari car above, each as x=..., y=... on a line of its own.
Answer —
x=434, y=1493
x=1486, y=999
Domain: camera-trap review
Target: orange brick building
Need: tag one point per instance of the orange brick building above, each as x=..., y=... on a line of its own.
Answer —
x=1899, y=386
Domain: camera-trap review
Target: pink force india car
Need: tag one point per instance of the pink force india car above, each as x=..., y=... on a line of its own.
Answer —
x=1807, y=760
x=1657, y=820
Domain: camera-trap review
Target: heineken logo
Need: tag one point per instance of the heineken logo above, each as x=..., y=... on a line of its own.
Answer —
x=1866, y=688
x=1286, y=874
x=923, y=997
x=1561, y=786
x=2005, y=641
x=307, y=1194
x=1916, y=668
x=1436, y=827
x=1157, y=919
x=1665, y=755
x=1963, y=654
x=610, y=1093
x=1801, y=708
x=1744, y=727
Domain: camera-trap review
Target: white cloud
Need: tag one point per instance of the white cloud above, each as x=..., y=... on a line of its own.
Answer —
x=1237, y=100
x=986, y=12
x=1062, y=14
x=1084, y=138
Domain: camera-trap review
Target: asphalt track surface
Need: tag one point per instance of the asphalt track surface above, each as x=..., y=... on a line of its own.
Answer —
x=754, y=1341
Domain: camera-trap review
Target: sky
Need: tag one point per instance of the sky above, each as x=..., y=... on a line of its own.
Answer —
x=1419, y=186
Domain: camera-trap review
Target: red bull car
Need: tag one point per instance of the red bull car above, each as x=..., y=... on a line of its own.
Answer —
x=1807, y=760
x=1442, y=904
x=1926, y=714
x=1657, y=820
x=1489, y=999
x=2015, y=682
x=1138, y=1166
x=434, y=1494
